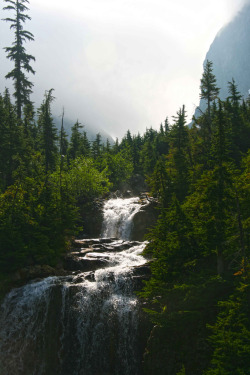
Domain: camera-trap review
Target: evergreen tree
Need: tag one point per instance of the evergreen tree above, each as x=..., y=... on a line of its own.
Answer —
x=235, y=97
x=160, y=183
x=10, y=141
x=230, y=336
x=107, y=146
x=63, y=146
x=17, y=53
x=97, y=146
x=75, y=146
x=162, y=142
x=86, y=147
x=178, y=159
x=29, y=125
x=240, y=124
x=179, y=134
x=209, y=90
x=148, y=155
x=47, y=132
x=166, y=126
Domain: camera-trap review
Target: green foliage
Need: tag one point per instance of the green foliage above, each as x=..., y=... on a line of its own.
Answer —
x=79, y=144
x=198, y=295
x=200, y=244
x=85, y=181
x=209, y=90
x=161, y=183
x=118, y=167
x=35, y=221
x=17, y=53
x=230, y=336
x=47, y=133
x=10, y=141
x=182, y=371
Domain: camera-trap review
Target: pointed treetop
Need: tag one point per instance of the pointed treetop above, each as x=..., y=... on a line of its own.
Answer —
x=209, y=89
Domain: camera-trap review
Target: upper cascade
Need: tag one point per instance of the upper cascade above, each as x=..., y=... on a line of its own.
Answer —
x=118, y=217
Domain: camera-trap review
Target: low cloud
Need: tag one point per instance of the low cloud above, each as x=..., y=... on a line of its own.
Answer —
x=119, y=65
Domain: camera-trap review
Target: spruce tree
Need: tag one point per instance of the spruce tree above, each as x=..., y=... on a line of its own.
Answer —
x=86, y=148
x=179, y=159
x=63, y=145
x=10, y=141
x=96, y=146
x=17, y=53
x=209, y=90
x=79, y=143
x=47, y=132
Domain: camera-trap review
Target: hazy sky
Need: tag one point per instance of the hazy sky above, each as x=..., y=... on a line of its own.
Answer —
x=120, y=64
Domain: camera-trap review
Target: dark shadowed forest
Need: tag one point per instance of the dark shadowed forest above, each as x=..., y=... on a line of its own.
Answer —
x=198, y=296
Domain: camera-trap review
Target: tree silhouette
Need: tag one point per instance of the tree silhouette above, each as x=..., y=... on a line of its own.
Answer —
x=17, y=53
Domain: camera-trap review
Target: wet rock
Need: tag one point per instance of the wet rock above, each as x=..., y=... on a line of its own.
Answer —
x=107, y=240
x=128, y=194
x=73, y=263
x=140, y=274
x=80, y=244
x=92, y=218
x=144, y=219
x=97, y=246
x=90, y=276
x=78, y=280
x=37, y=272
x=109, y=248
x=137, y=184
x=142, y=271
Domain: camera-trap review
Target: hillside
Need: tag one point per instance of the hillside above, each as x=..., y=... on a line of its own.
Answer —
x=230, y=54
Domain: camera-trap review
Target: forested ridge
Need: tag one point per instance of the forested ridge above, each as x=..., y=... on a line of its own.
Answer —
x=198, y=295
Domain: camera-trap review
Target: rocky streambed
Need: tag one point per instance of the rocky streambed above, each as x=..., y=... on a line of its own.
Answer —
x=85, y=319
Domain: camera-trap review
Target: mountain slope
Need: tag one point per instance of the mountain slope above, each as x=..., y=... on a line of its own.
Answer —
x=230, y=54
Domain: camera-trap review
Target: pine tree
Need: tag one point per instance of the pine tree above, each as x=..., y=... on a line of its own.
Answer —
x=240, y=133
x=179, y=133
x=86, y=148
x=47, y=132
x=209, y=90
x=75, y=140
x=97, y=146
x=235, y=97
x=63, y=146
x=17, y=53
x=166, y=126
x=10, y=141
x=178, y=158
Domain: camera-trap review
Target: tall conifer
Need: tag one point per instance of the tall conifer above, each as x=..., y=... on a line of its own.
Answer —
x=47, y=132
x=209, y=90
x=17, y=53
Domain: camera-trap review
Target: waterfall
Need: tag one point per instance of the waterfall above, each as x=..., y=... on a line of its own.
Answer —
x=85, y=323
x=118, y=217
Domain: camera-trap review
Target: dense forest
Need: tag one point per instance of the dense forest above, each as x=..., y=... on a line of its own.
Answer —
x=199, y=292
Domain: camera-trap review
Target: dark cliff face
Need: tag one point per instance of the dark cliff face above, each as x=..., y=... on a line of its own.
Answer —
x=230, y=54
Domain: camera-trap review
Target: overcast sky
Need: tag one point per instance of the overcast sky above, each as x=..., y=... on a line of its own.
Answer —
x=120, y=64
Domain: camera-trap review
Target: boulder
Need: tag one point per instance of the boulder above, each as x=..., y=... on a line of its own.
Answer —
x=144, y=219
x=37, y=272
x=75, y=263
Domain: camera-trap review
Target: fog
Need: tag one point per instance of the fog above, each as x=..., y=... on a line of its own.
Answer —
x=119, y=64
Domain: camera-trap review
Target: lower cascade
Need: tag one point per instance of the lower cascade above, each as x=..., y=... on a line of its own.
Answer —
x=85, y=323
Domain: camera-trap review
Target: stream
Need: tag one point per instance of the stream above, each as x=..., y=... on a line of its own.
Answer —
x=85, y=323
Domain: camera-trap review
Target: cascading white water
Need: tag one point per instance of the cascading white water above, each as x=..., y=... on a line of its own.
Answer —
x=118, y=217
x=83, y=324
